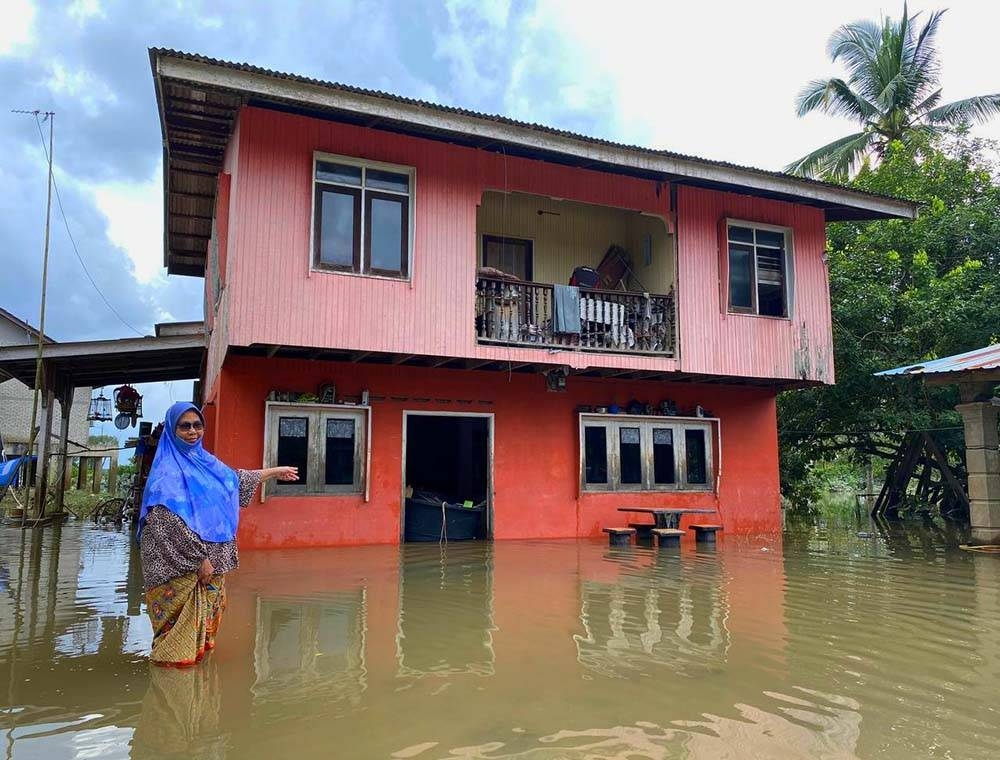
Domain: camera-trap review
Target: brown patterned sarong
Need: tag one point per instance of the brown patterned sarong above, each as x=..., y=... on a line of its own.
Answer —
x=185, y=616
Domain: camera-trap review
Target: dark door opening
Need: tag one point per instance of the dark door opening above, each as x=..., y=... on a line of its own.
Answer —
x=447, y=478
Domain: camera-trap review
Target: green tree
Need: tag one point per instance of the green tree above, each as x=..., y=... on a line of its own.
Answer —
x=891, y=92
x=902, y=292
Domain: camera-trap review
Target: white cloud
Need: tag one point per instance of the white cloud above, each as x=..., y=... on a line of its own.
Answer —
x=134, y=214
x=83, y=10
x=91, y=92
x=17, y=32
x=712, y=79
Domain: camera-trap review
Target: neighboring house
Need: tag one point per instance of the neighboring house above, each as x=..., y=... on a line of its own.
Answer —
x=16, y=397
x=405, y=260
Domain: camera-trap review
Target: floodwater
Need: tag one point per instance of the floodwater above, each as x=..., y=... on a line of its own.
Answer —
x=818, y=644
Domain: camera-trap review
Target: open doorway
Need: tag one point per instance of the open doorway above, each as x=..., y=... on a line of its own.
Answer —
x=447, y=476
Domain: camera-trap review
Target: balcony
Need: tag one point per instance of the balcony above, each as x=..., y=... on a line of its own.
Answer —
x=515, y=313
x=527, y=243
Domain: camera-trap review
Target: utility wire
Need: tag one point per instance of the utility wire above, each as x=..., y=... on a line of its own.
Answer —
x=86, y=271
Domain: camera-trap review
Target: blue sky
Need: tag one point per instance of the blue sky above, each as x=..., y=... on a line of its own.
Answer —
x=713, y=79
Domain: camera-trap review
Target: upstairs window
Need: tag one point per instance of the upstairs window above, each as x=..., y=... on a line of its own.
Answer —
x=758, y=269
x=362, y=216
x=509, y=255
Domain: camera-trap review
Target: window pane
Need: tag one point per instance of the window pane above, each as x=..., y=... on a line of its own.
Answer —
x=339, y=452
x=740, y=263
x=771, y=239
x=342, y=173
x=387, y=228
x=770, y=282
x=697, y=462
x=664, y=462
x=337, y=227
x=630, y=454
x=381, y=180
x=595, y=455
x=293, y=447
x=741, y=234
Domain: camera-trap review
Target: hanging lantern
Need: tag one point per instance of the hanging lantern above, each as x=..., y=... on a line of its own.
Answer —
x=100, y=409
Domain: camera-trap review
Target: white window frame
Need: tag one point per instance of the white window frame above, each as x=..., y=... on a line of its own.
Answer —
x=787, y=262
x=318, y=414
x=612, y=423
x=364, y=165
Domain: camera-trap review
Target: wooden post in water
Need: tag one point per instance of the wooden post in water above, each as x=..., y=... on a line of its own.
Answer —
x=62, y=467
x=113, y=473
x=95, y=484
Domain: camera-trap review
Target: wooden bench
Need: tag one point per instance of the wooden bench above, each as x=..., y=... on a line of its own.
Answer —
x=619, y=536
x=705, y=534
x=668, y=538
x=643, y=530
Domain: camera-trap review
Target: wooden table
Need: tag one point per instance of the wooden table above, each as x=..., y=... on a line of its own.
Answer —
x=667, y=517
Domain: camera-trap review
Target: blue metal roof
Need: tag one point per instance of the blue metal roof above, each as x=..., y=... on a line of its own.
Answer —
x=987, y=358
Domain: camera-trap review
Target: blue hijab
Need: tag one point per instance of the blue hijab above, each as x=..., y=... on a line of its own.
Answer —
x=192, y=483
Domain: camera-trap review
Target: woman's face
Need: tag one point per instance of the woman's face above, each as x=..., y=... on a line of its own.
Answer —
x=190, y=428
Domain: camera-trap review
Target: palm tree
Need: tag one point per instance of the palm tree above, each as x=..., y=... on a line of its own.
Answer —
x=892, y=93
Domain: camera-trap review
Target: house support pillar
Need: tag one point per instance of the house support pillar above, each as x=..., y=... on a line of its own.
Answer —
x=44, y=449
x=63, y=467
x=982, y=458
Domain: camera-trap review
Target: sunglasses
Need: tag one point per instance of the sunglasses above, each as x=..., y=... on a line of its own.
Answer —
x=185, y=426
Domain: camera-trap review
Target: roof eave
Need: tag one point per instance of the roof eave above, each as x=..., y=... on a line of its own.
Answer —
x=263, y=86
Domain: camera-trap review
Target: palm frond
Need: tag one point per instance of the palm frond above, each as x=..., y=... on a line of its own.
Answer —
x=834, y=96
x=924, y=52
x=978, y=108
x=834, y=159
x=927, y=103
x=856, y=45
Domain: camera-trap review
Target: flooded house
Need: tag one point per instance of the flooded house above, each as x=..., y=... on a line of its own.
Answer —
x=430, y=310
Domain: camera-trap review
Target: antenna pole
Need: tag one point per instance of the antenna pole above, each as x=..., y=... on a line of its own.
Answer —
x=40, y=468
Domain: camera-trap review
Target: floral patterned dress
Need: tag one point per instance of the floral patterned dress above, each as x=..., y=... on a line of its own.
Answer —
x=185, y=613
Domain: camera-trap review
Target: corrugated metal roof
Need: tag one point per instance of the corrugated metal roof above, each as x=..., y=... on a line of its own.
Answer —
x=980, y=359
x=199, y=98
x=238, y=66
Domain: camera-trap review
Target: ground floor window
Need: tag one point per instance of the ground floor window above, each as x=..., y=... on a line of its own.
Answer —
x=327, y=443
x=645, y=453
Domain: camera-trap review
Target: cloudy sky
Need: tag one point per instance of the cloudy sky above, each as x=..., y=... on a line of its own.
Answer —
x=712, y=79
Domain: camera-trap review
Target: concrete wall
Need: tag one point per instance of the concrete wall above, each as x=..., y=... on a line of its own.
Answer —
x=16, y=400
x=536, y=466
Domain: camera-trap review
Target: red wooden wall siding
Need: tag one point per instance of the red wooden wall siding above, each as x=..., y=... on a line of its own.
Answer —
x=275, y=299
x=536, y=451
x=713, y=341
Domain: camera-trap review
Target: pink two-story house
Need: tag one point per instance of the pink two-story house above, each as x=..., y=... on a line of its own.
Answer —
x=417, y=304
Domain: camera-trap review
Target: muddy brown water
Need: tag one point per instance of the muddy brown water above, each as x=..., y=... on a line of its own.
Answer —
x=815, y=644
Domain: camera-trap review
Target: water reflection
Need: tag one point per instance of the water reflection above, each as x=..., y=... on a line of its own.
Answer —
x=833, y=645
x=181, y=715
x=660, y=617
x=446, y=622
x=309, y=651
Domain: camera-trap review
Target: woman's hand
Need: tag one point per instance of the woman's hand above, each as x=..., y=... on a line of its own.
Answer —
x=288, y=474
x=205, y=572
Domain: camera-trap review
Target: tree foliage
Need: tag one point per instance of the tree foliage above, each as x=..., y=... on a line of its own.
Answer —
x=901, y=292
x=892, y=93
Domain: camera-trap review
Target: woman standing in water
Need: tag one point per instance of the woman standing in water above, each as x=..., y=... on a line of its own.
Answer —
x=187, y=536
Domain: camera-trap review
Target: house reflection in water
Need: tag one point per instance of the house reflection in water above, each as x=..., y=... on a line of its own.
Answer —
x=639, y=620
x=311, y=650
x=445, y=624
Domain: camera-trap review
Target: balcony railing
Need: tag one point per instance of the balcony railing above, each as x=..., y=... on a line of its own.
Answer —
x=522, y=313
